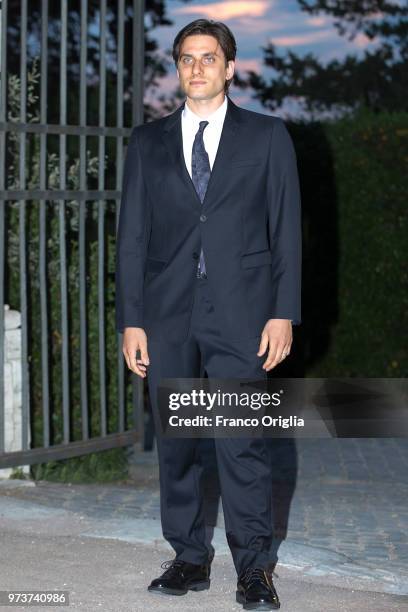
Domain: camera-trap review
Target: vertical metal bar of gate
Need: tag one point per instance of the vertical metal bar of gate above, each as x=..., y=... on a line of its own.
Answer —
x=3, y=100
x=138, y=66
x=22, y=231
x=62, y=237
x=83, y=347
x=119, y=150
x=119, y=170
x=47, y=202
x=43, y=230
x=137, y=118
x=101, y=217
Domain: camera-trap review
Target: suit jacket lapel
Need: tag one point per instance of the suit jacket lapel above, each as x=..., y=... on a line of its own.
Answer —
x=226, y=148
x=173, y=139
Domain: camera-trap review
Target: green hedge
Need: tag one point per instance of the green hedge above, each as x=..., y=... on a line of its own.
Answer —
x=355, y=301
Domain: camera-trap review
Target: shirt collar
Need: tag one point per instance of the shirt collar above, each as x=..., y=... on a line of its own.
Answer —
x=217, y=116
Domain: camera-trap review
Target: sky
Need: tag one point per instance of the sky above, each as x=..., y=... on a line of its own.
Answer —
x=255, y=23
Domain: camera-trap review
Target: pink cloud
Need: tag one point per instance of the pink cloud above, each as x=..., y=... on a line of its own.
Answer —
x=249, y=64
x=247, y=25
x=302, y=39
x=227, y=10
x=362, y=41
x=317, y=21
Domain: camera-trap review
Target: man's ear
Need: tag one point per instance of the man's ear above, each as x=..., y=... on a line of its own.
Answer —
x=230, y=69
x=178, y=74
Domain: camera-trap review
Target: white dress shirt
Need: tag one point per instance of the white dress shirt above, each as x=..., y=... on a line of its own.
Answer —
x=212, y=133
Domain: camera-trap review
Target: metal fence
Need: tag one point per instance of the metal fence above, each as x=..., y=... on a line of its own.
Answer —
x=16, y=199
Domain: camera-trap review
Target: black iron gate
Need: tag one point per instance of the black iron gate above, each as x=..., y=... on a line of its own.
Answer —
x=71, y=88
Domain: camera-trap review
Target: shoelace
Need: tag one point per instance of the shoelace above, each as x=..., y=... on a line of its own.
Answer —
x=172, y=564
x=252, y=574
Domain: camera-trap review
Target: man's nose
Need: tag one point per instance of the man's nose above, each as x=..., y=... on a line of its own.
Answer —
x=197, y=67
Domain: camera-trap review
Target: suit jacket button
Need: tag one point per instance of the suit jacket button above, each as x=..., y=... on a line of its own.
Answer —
x=203, y=218
x=196, y=255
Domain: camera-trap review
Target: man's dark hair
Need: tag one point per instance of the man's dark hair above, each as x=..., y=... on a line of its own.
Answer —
x=218, y=30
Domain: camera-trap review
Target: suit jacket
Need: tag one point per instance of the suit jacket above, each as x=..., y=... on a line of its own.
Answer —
x=249, y=226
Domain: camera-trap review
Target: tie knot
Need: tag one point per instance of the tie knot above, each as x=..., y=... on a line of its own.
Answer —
x=203, y=125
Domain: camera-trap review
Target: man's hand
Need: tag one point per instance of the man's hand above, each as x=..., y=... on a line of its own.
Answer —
x=134, y=338
x=277, y=333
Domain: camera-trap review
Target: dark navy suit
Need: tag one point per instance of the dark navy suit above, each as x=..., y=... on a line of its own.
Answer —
x=249, y=227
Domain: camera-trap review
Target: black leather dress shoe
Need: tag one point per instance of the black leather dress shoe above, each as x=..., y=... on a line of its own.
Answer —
x=181, y=577
x=255, y=590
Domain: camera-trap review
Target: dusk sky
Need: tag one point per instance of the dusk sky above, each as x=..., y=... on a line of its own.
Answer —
x=254, y=24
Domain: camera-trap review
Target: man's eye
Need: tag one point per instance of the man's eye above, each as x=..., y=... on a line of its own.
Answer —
x=205, y=60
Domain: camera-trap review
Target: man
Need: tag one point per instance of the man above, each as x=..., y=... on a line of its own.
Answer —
x=208, y=279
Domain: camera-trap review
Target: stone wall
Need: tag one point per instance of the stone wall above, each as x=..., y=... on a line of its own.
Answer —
x=12, y=386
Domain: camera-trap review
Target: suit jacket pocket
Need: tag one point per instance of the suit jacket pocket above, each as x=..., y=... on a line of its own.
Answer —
x=253, y=260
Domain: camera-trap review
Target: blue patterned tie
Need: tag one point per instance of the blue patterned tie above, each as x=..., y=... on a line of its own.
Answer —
x=200, y=174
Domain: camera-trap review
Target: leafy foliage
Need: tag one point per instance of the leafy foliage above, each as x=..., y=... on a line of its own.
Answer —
x=156, y=61
x=106, y=466
x=53, y=274
x=378, y=80
x=355, y=282
x=385, y=19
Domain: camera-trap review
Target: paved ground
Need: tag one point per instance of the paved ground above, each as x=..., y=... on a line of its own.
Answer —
x=111, y=575
x=346, y=545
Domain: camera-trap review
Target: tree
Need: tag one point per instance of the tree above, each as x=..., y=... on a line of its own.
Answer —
x=377, y=80
x=156, y=64
x=376, y=18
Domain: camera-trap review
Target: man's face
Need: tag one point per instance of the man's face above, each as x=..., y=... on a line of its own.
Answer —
x=201, y=69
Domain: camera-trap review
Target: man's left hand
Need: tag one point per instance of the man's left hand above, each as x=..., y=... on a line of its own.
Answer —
x=277, y=334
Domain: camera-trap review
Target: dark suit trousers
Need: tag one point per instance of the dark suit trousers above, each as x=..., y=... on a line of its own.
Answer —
x=243, y=469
